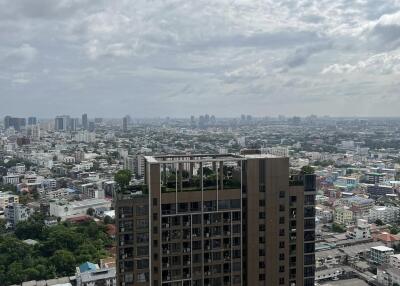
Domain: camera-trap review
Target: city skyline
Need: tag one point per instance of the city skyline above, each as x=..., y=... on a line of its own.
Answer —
x=151, y=59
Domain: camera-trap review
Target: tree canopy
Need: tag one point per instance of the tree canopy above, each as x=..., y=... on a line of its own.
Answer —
x=59, y=250
x=123, y=178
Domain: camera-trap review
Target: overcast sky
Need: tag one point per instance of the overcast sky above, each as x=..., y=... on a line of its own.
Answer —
x=177, y=58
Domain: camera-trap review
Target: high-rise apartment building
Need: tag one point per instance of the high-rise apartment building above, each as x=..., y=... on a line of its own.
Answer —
x=32, y=120
x=14, y=122
x=85, y=122
x=61, y=123
x=217, y=220
x=125, y=123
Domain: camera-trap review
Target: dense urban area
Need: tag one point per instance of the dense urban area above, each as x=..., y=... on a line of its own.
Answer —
x=59, y=178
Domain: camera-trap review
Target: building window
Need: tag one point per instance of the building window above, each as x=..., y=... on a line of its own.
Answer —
x=261, y=277
x=261, y=252
x=261, y=227
x=281, y=220
x=262, y=188
x=281, y=256
x=282, y=194
x=261, y=215
x=261, y=264
x=281, y=281
x=261, y=203
x=155, y=216
x=281, y=244
x=281, y=268
x=281, y=208
x=155, y=202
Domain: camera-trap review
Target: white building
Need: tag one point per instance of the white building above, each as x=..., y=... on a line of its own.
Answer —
x=388, y=276
x=381, y=254
x=52, y=194
x=11, y=179
x=104, y=277
x=394, y=260
x=15, y=213
x=65, y=209
x=383, y=213
x=361, y=231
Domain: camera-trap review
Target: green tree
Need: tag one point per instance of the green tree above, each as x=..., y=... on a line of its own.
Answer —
x=379, y=222
x=64, y=262
x=123, y=178
x=338, y=228
x=108, y=220
x=90, y=211
x=307, y=170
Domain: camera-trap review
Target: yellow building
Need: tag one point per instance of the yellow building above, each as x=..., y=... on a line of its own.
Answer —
x=343, y=215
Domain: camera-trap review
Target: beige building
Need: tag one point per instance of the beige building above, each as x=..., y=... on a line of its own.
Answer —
x=6, y=199
x=343, y=215
x=217, y=220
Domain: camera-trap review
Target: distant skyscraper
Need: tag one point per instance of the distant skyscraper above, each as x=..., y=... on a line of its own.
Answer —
x=14, y=122
x=92, y=126
x=61, y=123
x=217, y=220
x=125, y=123
x=73, y=124
x=32, y=121
x=85, y=122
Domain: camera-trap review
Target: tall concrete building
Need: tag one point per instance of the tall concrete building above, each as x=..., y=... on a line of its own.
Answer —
x=125, y=123
x=85, y=122
x=14, y=122
x=32, y=120
x=61, y=123
x=217, y=220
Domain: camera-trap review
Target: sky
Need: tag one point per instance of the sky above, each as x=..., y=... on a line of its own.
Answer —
x=176, y=58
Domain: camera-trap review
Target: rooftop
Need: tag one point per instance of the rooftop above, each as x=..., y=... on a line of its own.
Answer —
x=382, y=248
x=203, y=157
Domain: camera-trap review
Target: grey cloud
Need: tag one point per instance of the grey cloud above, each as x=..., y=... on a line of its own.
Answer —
x=158, y=58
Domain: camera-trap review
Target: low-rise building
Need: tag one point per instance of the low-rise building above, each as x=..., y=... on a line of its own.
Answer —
x=12, y=179
x=381, y=254
x=360, y=231
x=394, y=260
x=383, y=213
x=343, y=215
x=15, y=213
x=64, y=209
x=6, y=199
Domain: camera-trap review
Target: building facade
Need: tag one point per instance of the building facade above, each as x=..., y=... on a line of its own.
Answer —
x=217, y=220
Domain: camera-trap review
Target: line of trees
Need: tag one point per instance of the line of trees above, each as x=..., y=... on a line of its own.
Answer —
x=59, y=250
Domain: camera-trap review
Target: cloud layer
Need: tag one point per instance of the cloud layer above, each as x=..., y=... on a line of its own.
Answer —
x=176, y=58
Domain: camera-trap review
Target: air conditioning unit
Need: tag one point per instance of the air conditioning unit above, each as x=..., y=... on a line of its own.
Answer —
x=207, y=235
x=168, y=278
x=167, y=225
x=122, y=243
x=208, y=222
x=122, y=229
x=228, y=233
x=167, y=251
x=209, y=261
x=188, y=275
x=167, y=264
x=122, y=216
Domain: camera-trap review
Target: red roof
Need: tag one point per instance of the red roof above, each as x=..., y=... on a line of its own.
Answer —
x=111, y=229
x=387, y=237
